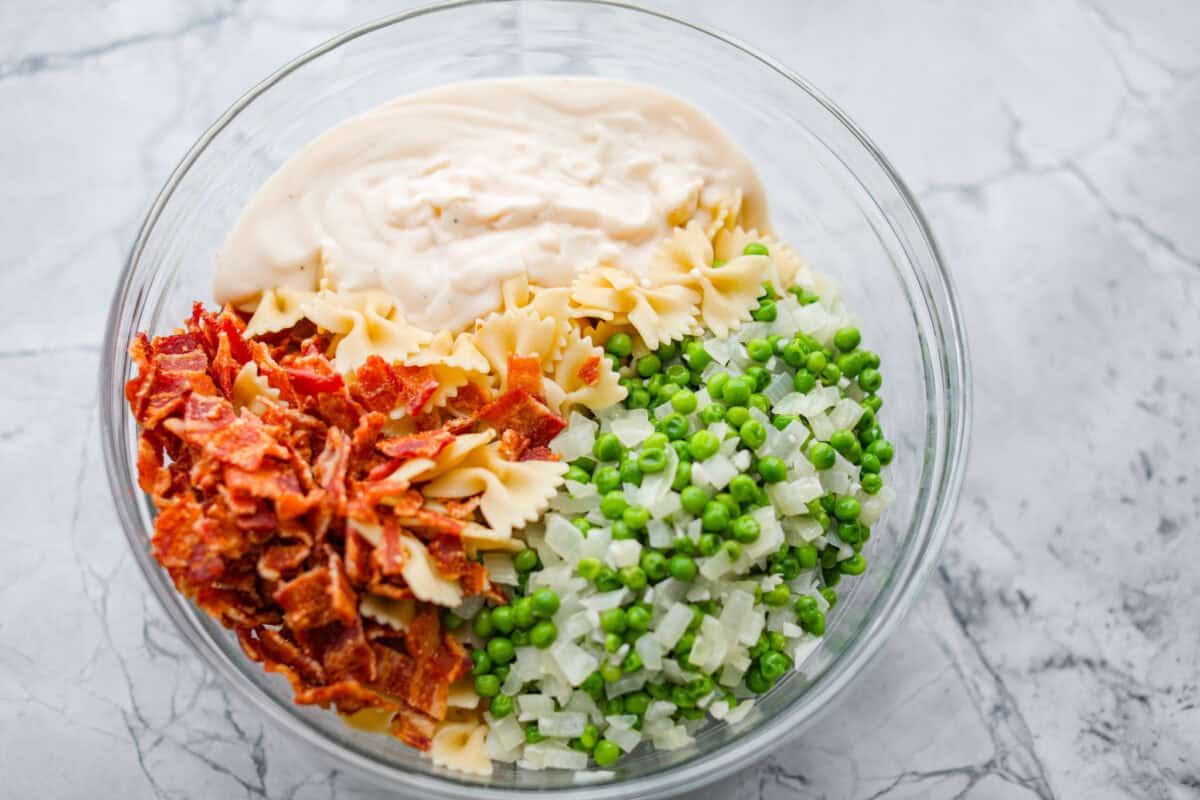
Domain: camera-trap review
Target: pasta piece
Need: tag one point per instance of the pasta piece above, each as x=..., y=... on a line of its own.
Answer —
x=660, y=314
x=462, y=694
x=580, y=361
x=388, y=611
x=477, y=538
x=278, y=309
x=249, y=389
x=455, y=362
x=728, y=292
x=417, y=470
x=421, y=576
x=514, y=493
x=367, y=323
x=459, y=746
x=730, y=244
x=520, y=331
x=723, y=215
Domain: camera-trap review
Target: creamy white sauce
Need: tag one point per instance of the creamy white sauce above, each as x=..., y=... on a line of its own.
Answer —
x=439, y=196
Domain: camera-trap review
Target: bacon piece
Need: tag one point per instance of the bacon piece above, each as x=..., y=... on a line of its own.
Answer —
x=416, y=385
x=391, y=556
x=283, y=559
x=362, y=446
x=348, y=654
x=462, y=509
x=475, y=581
x=414, y=728
x=273, y=648
x=318, y=597
x=540, y=454
x=271, y=481
x=177, y=368
x=310, y=382
x=275, y=375
x=430, y=521
x=358, y=559
x=525, y=374
x=513, y=444
x=394, y=670
x=212, y=424
x=467, y=403
x=423, y=634
x=349, y=696
x=431, y=681
x=448, y=555
x=517, y=410
x=416, y=445
x=329, y=471
x=589, y=372
x=375, y=386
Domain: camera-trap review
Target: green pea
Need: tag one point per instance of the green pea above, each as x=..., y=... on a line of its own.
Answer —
x=794, y=354
x=532, y=734
x=830, y=595
x=870, y=434
x=850, y=364
x=851, y=533
x=759, y=349
x=743, y=488
x=822, y=455
x=807, y=555
x=766, y=312
x=831, y=375
x=545, y=603
x=632, y=662
x=813, y=622
x=881, y=449
x=481, y=662
x=500, y=650
x=637, y=703
x=847, y=509
x=482, y=624
x=502, y=619
x=710, y=415
x=526, y=560
x=737, y=391
x=611, y=674
x=577, y=475
x=756, y=682
x=620, y=345
x=607, y=580
x=846, y=339
x=588, y=568
x=621, y=531
x=872, y=483
x=605, y=752
x=804, y=381
x=854, y=565
x=607, y=479
x=630, y=471
x=761, y=402
x=683, y=475
x=502, y=706
x=732, y=549
x=697, y=357
x=648, y=365
x=613, y=505
x=582, y=525
x=753, y=434
x=656, y=441
x=716, y=385
x=870, y=379
x=703, y=445
x=693, y=499
x=637, y=398
x=872, y=402
x=774, y=664
x=666, y=391
x=727, y=500
x=756, y=249
x=613, y=642
x=680, y=446
x=843, y=440
x=638, y=619
x=683, y=567
x=790, y=568
x=715, y=517
x=677, y=374
x=593, y=685
x=634, y=578
x=675, y=426
x=612, y=620
x=772, y=469
x=745, y=530
x=737, y=416
x=523, y=612
x=607, y=447
x=487, y=685
x=636, y=517
x=779, y=596
x=709, y=544
x=543, y=634
x=759, y=375
x=654, y=564
x=870, y=463
x=684, y=401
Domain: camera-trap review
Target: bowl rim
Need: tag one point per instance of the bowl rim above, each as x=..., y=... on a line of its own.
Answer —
x=747, y=748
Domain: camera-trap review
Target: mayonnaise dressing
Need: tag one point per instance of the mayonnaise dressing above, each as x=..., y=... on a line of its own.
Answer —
x=439, y=196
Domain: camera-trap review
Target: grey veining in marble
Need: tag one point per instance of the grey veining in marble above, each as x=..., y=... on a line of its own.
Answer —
x=1056, y=149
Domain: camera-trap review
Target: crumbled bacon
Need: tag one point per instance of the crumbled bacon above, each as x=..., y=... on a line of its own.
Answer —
x=525, y=374
x=589, y=373
x=257, y=512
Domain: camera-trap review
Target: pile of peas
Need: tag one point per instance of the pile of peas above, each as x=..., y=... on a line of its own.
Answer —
x=673, y=374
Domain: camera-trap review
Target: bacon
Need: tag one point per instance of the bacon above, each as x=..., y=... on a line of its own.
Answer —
x=414, y=728
x=432, y=522
x=375, y=386
x=349, y=696
x=212, y=424
x=275, y=375
x=539, y=454
x=391, y=556
x=431, y=681
x=318, y=598
x=283, y=559
x=519, y=411
x=310, y=382
x=448, y=555
x=417, y=386
x=513, y=444
x=416, y=445
x=394, y=670
x=462, y=509
x=589, y=372
x=170, y=370
x=273, y=648
x=525, y=374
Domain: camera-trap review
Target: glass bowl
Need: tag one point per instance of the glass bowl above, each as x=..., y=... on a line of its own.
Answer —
x=833, y=197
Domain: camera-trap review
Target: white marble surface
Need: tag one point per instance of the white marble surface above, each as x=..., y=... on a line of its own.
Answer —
x=1056, y=149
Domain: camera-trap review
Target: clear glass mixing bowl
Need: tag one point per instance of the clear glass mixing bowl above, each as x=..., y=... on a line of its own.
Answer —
x=833, y=196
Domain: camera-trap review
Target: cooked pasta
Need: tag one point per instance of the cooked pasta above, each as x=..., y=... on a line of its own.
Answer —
x=460, y=746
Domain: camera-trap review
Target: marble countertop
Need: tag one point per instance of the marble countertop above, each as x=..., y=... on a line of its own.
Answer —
x=1056, y=149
